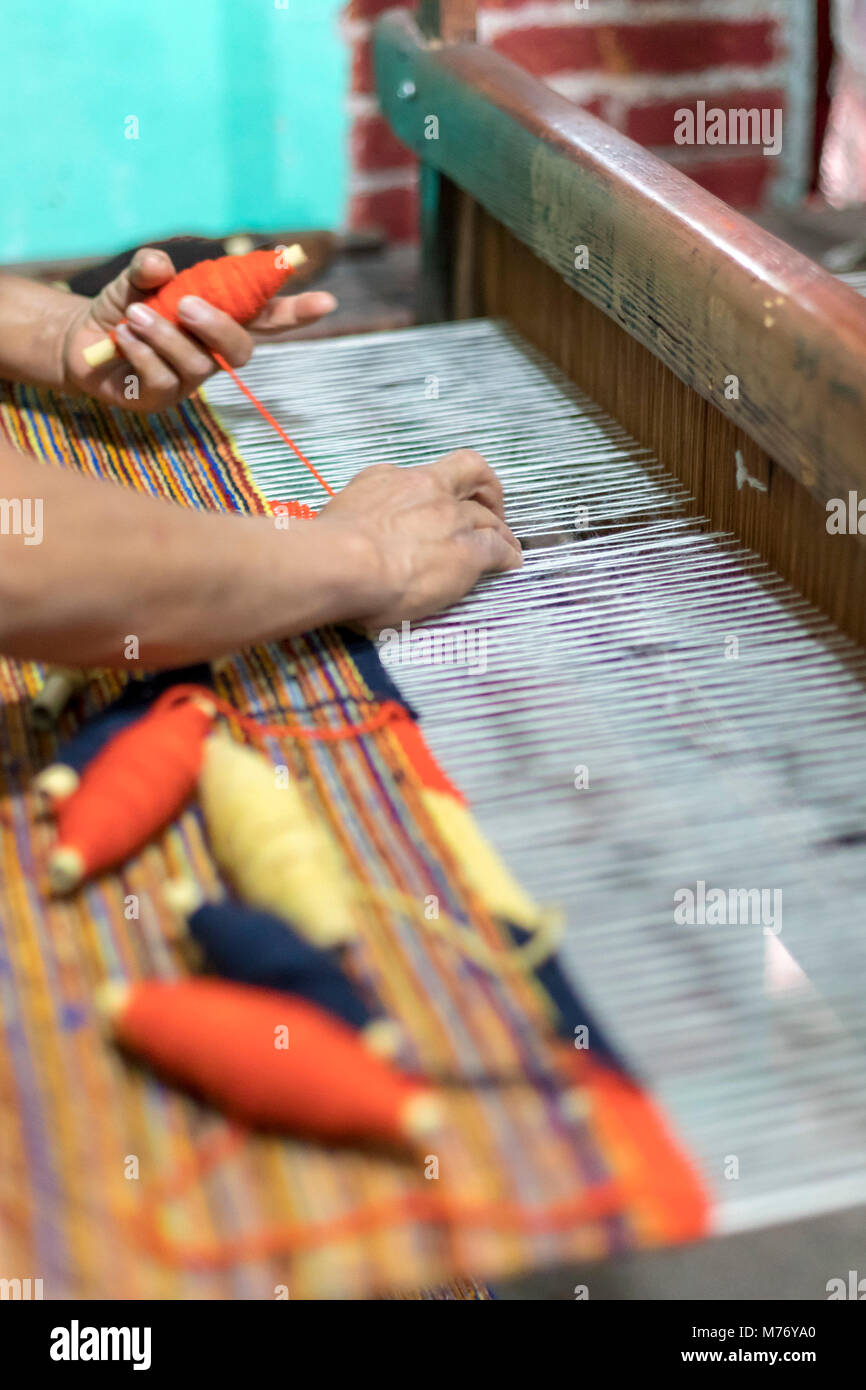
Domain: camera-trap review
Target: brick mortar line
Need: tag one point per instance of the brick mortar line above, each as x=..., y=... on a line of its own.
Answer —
x=551, y=14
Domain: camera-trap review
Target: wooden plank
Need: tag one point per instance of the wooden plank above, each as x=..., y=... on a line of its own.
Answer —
x=446, y=21
x=452, y=21
x=710, y=293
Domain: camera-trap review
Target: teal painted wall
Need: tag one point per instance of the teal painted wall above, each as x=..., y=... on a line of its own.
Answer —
x=241, y=121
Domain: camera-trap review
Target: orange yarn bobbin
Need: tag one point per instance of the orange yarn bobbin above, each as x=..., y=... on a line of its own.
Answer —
x=269, y=1059
x=130, y=790
x=239, y=285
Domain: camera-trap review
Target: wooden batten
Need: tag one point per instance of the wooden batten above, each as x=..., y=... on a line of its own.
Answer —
x=444, y=242
x=674, y=295
x=452, y=21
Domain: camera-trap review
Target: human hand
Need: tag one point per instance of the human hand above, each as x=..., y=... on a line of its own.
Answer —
x=431, y=532
x=161, y=363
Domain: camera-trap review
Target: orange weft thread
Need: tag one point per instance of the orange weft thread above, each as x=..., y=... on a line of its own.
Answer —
x=417, y=752
x=266, y=415
x=603, y=1199
x=136, y=784
x=223, y=1040
x=599, y=1201
x=298, y=511
x=386, y=713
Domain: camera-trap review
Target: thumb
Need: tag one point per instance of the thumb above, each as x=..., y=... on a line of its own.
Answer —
x=147, y=270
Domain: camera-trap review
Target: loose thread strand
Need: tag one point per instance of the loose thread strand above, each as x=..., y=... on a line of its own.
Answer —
x=600, y=1200
x=271, y=421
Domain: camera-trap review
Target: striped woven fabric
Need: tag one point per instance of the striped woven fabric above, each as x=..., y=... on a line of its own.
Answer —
x=115, y=1185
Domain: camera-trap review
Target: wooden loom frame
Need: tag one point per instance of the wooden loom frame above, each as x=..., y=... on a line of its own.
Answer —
x=680, y=293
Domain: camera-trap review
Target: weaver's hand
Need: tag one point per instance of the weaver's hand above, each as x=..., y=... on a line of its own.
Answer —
x=432, y=531
x=162, y=363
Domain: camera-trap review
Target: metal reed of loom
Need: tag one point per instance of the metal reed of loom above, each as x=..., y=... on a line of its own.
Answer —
x=611, y=650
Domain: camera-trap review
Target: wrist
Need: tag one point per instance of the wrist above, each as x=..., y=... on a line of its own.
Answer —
x=354, y=567
x=37, y=322
x=308, y=575
x=70, y=317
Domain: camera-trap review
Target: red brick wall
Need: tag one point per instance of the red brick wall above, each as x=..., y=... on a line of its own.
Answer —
x=634, y=63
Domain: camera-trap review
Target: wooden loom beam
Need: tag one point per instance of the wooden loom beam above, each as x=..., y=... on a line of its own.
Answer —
x=452, y=21
x=444, y=209
x=709, y=293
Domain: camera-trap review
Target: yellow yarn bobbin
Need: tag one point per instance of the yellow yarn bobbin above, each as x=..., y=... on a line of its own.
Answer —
x=268, y=838
x=485, y=872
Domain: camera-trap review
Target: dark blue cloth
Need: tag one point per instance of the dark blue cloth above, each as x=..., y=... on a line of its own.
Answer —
x=572, y=1011
x=256, y=948
x=365, y=656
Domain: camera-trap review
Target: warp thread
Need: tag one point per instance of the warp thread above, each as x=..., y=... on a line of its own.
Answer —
x=570, y=1011
x=371, y=669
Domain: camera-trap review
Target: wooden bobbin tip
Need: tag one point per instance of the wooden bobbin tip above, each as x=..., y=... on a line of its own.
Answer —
x=422, y=1114
x=183, y=896
x=295, y=255
x=110, y=1000
x=207, y=706
x=99, y=353
x=54, y=784
x=383, y=1037
x=65, y=870
x=575, y=1103
x=59, y=687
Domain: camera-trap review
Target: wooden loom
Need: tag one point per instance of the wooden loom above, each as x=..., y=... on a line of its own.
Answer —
x=679, y=294
x=614, y=744
x=676, y=297
x=605, y=651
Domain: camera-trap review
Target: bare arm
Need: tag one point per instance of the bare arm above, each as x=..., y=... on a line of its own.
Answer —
x=111, y=564
x=34, y=320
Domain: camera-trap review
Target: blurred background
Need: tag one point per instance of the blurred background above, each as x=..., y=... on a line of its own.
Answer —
x=213, y=117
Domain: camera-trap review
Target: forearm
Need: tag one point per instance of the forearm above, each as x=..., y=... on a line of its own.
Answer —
x=34, y=321
x=113, y=566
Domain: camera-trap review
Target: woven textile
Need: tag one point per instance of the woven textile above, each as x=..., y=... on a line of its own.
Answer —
x=89, y=1142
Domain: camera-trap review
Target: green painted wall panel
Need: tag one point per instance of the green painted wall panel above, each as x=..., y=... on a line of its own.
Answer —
x=241, y=120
